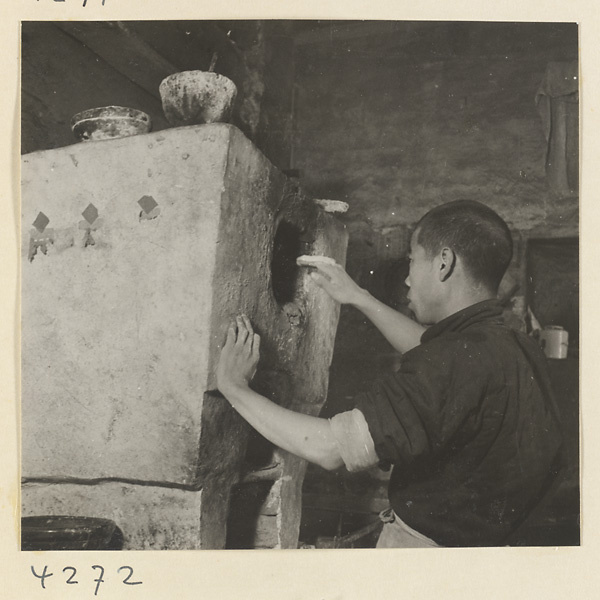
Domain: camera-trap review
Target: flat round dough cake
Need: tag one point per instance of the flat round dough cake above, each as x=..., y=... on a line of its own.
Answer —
x=311, y=261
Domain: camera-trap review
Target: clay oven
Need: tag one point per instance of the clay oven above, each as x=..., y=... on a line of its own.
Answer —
x=137, y=253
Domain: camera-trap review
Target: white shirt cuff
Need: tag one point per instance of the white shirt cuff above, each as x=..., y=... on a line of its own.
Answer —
x=354, y=442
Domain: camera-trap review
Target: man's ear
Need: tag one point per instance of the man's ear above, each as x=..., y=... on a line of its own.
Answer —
x=447, y=263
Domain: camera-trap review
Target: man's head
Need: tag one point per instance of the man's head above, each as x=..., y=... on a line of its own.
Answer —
x=459, y=250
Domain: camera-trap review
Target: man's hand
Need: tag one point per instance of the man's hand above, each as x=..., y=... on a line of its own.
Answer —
x=305, y=436
x=400, y=331
x=239, y=357
x=337, y=283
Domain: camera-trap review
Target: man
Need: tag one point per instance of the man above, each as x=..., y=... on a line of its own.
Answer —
x=468, y=422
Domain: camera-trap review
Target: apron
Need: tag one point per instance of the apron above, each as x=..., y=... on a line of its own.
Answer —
x=397, y=534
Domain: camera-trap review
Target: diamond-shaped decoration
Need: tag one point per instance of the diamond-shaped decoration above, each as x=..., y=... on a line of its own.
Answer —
x=90, y=214
x=148, y=204
x=41, y=222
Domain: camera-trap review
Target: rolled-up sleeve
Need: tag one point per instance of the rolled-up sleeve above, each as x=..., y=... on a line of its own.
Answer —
x=353, y=440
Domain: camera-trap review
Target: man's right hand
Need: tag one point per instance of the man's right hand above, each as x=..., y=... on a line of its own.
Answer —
x=337, y=283
x=401, y=332
x=239, y=356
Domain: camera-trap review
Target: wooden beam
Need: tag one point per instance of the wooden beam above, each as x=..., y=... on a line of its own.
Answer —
x=123, y=50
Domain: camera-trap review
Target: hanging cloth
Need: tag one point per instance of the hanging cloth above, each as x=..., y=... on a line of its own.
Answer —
x=557, y=100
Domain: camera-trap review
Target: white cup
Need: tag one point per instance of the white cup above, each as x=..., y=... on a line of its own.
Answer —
x=554, y=341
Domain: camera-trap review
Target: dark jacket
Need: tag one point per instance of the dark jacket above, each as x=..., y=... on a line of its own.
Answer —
x=471, y=427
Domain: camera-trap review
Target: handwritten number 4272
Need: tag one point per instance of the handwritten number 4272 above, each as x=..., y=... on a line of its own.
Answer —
x=84, y=2
x=71, y=580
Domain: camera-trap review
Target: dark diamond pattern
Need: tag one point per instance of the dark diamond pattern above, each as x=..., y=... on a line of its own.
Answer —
x=41, y=222
x=90, y=214
x=148, y=204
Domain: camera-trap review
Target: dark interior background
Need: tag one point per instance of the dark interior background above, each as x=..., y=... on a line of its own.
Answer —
x=391, y=117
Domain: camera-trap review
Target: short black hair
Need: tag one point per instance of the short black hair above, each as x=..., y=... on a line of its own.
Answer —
x=475, y=233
